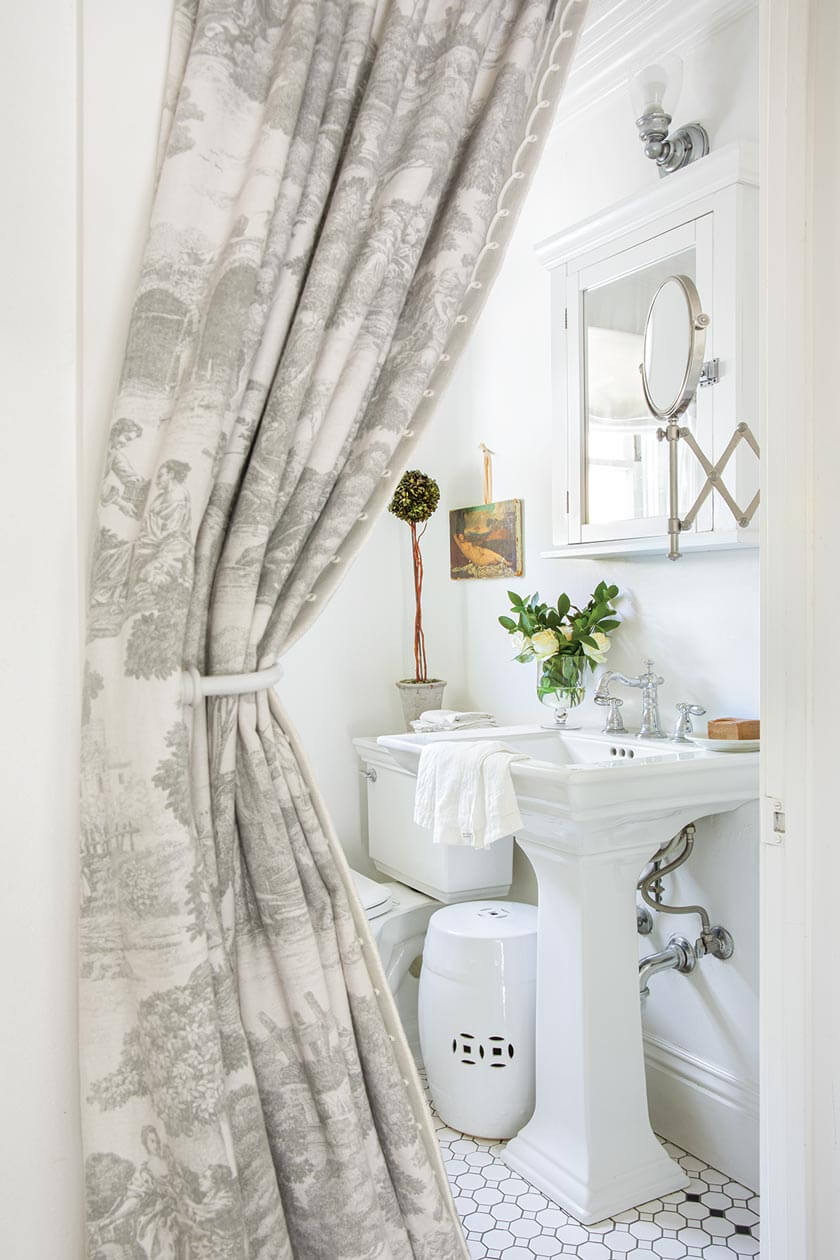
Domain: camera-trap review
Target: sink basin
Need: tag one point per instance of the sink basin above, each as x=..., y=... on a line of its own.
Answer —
x=595, y=808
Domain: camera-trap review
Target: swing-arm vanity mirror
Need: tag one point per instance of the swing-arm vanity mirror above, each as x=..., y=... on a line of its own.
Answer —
x=673, y=347
x=631, y=353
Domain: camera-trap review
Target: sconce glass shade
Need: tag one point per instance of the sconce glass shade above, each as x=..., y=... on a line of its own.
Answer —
x=656, y=86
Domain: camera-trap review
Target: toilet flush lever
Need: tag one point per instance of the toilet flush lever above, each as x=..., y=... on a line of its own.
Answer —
x=684, y=726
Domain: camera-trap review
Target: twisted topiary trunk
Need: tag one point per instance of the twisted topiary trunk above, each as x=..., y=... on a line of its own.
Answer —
x=420, y=667
x=414, y=501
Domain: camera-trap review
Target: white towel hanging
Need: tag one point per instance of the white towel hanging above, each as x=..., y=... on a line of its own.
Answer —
x=465, y=793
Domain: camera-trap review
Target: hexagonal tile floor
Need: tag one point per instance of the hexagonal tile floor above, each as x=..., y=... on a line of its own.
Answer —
x=505, y=1218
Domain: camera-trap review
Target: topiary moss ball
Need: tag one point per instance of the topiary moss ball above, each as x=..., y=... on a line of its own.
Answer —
x=415, y=498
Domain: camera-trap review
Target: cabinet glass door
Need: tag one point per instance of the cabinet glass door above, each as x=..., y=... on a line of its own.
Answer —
x=617, y=464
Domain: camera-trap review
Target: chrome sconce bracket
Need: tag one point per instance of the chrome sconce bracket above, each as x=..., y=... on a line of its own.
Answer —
x=673, y=433
x=671, y=152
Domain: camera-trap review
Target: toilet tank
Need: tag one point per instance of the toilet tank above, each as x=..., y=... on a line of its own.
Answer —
x=404, y=851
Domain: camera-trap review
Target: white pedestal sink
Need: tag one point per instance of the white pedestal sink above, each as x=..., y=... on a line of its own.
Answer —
x=595, y=808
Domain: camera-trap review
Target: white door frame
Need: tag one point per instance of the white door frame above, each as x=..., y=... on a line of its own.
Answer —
x=800, y=868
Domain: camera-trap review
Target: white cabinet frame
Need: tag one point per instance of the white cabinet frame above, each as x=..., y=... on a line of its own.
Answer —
x=711, y=207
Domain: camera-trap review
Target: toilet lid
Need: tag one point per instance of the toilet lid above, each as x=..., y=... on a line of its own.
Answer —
x=375, y=898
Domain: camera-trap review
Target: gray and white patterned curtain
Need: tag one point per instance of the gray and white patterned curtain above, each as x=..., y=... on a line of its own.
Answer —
x=336, y=181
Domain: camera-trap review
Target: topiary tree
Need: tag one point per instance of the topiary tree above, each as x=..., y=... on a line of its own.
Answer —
x=415, y=499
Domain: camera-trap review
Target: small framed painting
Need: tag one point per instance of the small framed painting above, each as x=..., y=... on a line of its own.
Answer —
x=486, y=541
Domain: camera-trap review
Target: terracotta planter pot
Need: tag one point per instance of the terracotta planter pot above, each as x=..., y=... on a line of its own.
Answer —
x=418, y=697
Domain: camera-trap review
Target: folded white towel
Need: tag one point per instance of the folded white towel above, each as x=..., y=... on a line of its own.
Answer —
x=451, y=720
x=465, y=792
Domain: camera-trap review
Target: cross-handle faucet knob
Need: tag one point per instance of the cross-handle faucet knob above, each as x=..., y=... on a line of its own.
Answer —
x=615, y=722
x=684, y=725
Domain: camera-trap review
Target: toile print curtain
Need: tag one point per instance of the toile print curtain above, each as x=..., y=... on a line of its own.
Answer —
x=336, y=180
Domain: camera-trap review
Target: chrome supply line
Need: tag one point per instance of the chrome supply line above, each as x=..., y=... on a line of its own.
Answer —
x=680, y=955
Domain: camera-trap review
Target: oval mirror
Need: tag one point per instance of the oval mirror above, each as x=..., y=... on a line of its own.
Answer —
x=674, y=343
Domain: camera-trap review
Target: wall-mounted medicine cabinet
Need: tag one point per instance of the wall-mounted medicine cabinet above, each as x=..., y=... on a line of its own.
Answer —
x=610, y=468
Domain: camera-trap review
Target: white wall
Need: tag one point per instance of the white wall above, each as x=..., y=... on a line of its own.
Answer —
x=698, y=618
x=40, y=1190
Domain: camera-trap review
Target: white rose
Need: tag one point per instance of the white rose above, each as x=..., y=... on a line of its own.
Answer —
x=521, y=642
x=545, y=644
x=602, y=646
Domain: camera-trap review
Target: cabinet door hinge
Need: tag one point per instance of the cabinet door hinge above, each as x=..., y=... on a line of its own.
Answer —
x=567, y=503
x=565, y=317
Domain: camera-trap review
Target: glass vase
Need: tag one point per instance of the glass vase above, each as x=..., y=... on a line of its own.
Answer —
x=561, y=685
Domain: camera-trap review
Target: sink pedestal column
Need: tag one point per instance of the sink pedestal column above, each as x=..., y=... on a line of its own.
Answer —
x=589, y=1145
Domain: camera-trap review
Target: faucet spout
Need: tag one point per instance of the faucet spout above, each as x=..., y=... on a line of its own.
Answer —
x=602, y=691
x=648, y=683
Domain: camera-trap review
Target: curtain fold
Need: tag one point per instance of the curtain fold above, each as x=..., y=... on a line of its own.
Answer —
x=335, y=184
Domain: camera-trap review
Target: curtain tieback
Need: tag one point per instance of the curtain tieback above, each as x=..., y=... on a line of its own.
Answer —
x=195, y=686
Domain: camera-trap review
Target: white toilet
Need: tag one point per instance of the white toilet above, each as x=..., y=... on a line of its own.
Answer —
x=422, y=876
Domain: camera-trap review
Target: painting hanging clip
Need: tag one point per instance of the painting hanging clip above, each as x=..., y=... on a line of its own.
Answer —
x=488, y=471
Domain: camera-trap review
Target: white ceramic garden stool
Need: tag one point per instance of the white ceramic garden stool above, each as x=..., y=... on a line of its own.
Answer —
x=477, y=1014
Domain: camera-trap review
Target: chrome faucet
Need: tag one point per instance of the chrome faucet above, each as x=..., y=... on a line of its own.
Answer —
x=648, y=683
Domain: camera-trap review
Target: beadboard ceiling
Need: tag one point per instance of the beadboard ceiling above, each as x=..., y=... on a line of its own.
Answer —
x=619, y=34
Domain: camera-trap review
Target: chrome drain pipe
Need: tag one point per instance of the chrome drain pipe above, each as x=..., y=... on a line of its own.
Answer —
x=680, y=955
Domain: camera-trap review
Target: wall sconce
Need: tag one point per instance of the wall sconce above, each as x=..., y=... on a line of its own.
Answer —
x=654, y=91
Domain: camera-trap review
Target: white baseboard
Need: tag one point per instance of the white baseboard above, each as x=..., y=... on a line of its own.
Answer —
x=703, y=1109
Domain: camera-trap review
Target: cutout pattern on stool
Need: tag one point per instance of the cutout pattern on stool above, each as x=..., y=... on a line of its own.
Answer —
x=496, y=1053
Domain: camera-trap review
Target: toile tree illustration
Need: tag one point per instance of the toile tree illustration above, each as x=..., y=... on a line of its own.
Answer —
x=172, y=773
x=415, y=499
x=154, y=644
x=106, y=1181
x=172, y=1053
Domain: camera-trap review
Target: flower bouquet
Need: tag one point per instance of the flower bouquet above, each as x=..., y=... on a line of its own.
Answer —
x=564, y=640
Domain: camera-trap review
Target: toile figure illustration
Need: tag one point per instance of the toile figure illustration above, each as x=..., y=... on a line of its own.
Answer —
x=160, y=1217
x=129, y=576
x=122, y=485
x=149, y=1206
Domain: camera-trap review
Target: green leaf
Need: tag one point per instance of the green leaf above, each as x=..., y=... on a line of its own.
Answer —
x=606, y=626
x=508, y=623
x=563, y=605
x=515, y=600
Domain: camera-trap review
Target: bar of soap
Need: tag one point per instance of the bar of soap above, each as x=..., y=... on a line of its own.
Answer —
x=734, y=728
